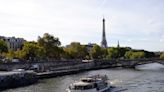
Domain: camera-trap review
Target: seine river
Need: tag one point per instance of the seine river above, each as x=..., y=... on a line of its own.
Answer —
x=128, y=80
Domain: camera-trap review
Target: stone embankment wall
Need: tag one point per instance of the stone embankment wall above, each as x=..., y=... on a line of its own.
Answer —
x=42, y=66
x=45, y=66
x=16, y=79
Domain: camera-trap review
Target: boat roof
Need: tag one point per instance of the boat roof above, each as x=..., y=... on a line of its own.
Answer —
x=80, y=83
x=87, y=78
x=96, y=77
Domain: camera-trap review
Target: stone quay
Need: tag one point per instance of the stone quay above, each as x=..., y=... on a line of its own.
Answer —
x=14, y=79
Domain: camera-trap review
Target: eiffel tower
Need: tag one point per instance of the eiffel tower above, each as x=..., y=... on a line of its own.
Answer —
x=104, y=42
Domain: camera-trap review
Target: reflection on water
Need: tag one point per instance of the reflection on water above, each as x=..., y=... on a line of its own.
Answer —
x=128, y=80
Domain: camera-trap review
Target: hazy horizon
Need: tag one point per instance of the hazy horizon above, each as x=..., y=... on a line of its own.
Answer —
x=135, y=23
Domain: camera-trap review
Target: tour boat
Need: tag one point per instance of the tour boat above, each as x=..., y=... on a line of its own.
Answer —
x=97, y=83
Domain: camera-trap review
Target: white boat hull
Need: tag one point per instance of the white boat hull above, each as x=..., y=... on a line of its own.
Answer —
x=90, y=90
x=96, y=83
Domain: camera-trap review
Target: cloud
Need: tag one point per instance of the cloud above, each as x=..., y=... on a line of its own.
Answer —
x=162, y=38
x=128, y=21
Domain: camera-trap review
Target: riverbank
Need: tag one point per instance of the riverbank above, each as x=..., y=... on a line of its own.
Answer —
x=51, y=69
x=71, y=70
x=14, y=79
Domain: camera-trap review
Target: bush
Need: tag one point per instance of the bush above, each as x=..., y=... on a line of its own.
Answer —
x=162, y=55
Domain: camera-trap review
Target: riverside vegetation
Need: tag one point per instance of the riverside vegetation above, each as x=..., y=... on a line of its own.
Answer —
x=49, y=47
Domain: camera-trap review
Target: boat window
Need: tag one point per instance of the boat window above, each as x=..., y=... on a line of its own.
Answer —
x=87, y=80
x=81, y=87
x=88, y=87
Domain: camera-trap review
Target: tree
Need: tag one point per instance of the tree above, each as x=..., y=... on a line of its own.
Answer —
x=10, y=54
x=134, y=55
x=76, y=51
x=138, y=55
x=122, y=51
x=162, y=55
x=96, y=52
x=113, y=53
x=66, y=53
x=31, y=51
x=51, y=46
x=104, y=53
x=116, y=52
x=128, y=54
x=20, y=54
x=3, y=46
x=148, y=54
x=48, y=40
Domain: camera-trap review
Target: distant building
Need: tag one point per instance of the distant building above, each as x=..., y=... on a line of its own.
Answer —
x=89, y=46
x=12, y=42
x=104, y=42
x=2, y=37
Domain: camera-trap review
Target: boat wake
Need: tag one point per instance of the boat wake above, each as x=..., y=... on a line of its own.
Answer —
x=117, y=89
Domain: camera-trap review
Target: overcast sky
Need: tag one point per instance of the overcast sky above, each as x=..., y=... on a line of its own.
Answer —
x=135, y=23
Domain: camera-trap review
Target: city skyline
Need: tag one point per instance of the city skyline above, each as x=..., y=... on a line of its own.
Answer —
x=135, y=23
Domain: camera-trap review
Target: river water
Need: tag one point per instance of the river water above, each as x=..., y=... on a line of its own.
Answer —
x=128, y=80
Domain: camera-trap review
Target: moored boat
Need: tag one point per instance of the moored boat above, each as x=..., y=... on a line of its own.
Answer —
x=97, y=83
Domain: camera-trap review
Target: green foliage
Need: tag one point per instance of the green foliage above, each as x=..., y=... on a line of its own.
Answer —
x=76, y=51
x=20, y=54
x=104, y=53
x=31, y=51
x=134, y=55
x=162, y=55
x=48, y=47
x=3, y=47
x=149, y=54
x=128, y=54
x=116, y=52
x=51, y=46
x=96, y=52
x=122, y=51
x=113, y=53
x=48, y=40
x=10, y=54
